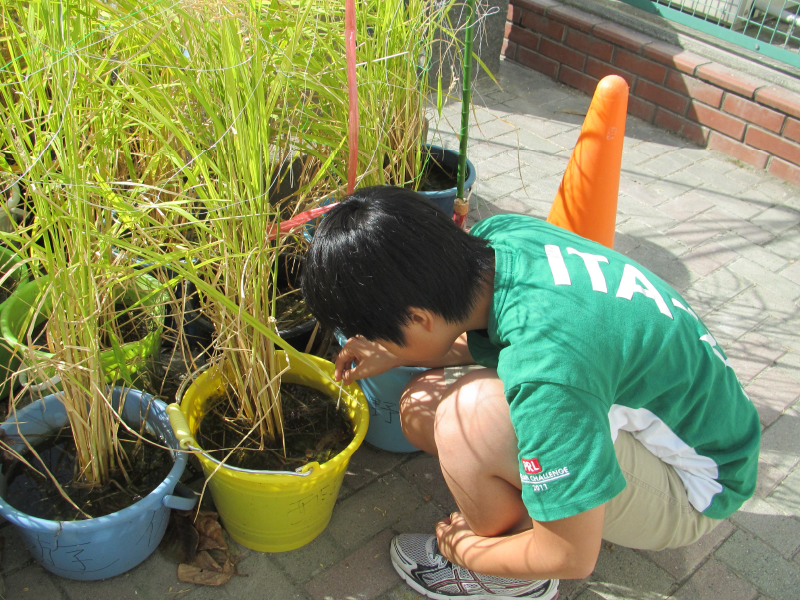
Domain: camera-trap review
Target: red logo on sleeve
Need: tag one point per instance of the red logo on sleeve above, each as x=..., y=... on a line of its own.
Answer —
x=531, y=465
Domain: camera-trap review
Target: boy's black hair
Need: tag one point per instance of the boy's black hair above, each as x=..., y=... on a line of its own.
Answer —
x=383, y=250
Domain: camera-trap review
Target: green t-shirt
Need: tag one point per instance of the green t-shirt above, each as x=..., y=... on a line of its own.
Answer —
x=588, y=343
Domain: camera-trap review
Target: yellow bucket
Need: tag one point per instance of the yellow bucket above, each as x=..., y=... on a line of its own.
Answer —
x=271, y=511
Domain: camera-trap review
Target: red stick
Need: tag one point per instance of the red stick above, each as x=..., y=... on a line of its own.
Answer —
x=352, y=92
x=300, y=219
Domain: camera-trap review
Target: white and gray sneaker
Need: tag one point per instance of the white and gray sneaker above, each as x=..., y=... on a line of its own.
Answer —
x=416, y=559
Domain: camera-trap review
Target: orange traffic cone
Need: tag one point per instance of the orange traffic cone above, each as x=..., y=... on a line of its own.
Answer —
x=586, y=202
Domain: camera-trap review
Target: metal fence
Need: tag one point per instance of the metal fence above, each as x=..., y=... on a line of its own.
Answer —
x=769, y=27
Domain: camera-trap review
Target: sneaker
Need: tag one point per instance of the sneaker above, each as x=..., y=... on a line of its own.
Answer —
x=417, y=560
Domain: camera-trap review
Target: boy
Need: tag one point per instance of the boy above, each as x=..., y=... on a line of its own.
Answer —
x=602, y=408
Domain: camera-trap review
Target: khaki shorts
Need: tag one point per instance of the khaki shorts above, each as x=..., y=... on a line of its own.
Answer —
x=653, y=511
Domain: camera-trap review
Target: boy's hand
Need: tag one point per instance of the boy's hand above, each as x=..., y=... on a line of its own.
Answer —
x=455, y=538
x=370, y=359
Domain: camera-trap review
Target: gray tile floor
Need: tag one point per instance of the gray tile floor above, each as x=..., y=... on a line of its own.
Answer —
x=725, y=235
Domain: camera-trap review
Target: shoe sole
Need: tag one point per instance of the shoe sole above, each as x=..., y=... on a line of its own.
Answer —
x=434, y=596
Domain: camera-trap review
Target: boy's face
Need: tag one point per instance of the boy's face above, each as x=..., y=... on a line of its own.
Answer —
x=428, y=337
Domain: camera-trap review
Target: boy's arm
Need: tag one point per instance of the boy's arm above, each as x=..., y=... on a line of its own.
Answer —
x=562, y=549
x=373, y=359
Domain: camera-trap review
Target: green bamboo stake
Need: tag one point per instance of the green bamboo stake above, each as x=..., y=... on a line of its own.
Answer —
x=466, y=99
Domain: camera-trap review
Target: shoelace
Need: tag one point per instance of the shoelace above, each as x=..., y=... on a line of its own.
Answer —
x=436, y=556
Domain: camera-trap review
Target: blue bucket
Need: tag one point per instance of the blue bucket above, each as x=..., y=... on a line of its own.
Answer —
x=104, y=546
x=383, y=395
x=445, y=199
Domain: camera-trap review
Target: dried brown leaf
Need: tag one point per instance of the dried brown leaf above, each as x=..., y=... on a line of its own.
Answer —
x=207, y=525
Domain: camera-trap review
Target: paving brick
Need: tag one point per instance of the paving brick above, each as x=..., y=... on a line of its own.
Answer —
x=792, y=272
x=537, y=62
x=674, y=56
x=772, y=392
x=725, y=219
x=368, y=463
x=707, y=258
x=760, y=565
x=562, y=54
x=780, y=442
x=751, y=156
x=152, y=578
x=634, y=63
x=753, y=353
x=792, y=129
x=425, y=474
x=576, y=79
x=661, y=96
x=716, y=120
x=543, y=25
x=769, y=477
x=680, y=563
x=763, y=520
x=683, y=127
x=371, y=510
x=574, y=17
x=686, y=206
x=780, y=98
x=365, y=574
x=622, y=36
x=623, y=568
x=259, y=578
x=15, y=554
x=786, y=496
x=694, y=88
x=34, y=583
x=713, y=581
x=753, y=113
x=771, y=281
x=514, y=13
x=729, y=79
x=422, y=520
x=590, y=44
x=523, y=37
x=777, y=219
x=784, y=170
x=693, y=232
x=308, y=561
x=599, y=69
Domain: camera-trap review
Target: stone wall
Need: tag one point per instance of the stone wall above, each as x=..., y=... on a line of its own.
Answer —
x=708, y=103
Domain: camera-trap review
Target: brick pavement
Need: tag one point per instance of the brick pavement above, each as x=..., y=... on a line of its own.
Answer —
x=724, y=234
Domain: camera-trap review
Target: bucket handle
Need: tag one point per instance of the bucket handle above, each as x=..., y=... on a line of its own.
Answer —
x=184, y=498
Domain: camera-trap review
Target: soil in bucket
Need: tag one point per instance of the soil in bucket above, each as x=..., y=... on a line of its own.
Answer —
x=144, y=467
x=315, y=429
x=436, y=177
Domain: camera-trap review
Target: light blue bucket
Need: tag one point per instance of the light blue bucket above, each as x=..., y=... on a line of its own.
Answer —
x=104, y=546
x=383, y=395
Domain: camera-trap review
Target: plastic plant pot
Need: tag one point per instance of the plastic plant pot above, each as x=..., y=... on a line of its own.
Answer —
x=109, y=545
x=444, y=199
x=270, y=511
x=17, y=309
x=9, y=361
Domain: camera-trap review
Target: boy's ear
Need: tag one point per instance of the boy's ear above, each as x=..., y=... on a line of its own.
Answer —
x=422, y=317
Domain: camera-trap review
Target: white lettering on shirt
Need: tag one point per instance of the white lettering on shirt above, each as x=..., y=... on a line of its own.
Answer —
x=709, y=339
x=539, y=482
x=557, y=266
x=592, y=262
x=628, y=286
x=686, y=308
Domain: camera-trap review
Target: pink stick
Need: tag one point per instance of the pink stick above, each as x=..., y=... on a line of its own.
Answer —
x=352, y=92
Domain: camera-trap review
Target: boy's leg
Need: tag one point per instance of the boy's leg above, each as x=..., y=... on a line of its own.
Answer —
x=653, y=511
x=468, y=426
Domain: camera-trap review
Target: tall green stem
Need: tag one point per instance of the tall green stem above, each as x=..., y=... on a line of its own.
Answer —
x=466, y=98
